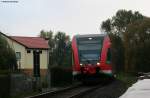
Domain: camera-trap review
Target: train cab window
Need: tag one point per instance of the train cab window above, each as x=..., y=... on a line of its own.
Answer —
x=89, y=49
x=108, y=60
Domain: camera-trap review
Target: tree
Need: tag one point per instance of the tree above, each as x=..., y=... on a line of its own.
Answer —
x=43, y=34
x=68, y=52
x=7, y=55
x=46, y=34
x=118, y=23
x=137, y=45
x=116, y=28
x=117, y=51
x=59, y=48
x=62, y=50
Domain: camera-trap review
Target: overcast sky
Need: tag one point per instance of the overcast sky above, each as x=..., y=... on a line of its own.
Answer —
x=29, y=17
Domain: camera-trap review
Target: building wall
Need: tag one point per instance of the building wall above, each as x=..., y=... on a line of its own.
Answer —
x=44, y=59
x=29, y=60
x=43, y=62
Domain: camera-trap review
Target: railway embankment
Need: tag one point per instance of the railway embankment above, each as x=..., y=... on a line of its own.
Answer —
x=113, y=89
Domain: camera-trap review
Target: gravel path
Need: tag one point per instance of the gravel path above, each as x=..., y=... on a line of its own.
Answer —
x=112, y=90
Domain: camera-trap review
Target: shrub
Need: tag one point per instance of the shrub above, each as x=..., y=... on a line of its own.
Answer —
x=61, y=76
x=7, y=55
x=4, y=85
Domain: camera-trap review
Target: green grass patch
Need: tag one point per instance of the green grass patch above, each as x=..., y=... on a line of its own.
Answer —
x=127, y=78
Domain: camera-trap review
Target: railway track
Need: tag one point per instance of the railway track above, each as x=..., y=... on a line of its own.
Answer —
x=72, y=92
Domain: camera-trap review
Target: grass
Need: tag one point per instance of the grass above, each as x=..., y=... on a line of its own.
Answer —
x=127, y=78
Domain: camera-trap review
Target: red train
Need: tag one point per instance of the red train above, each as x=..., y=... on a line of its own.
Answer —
x=91, y=55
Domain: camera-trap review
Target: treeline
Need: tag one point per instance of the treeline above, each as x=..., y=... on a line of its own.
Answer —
x=130, y=36
x=59, y=48
x=7, y=55
x=60, y=57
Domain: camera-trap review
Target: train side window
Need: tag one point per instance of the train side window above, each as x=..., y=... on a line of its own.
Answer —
x=108, y=60
x=72, y=58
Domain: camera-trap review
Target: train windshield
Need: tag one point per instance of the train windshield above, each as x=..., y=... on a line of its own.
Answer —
x=89, y=49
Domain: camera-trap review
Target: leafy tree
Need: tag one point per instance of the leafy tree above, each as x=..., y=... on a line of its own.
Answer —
x=116, y=28
x=118, y=23
x=43, y=34
x=60, y=56
x=137, y=45
x=62, y=50
x=59, y=48
x=7, y=55
x=117, y=51
x=68, y=52
x=46, y=34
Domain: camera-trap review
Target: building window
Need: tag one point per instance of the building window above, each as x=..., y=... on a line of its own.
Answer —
x=18, y=55
x=40, y=51
x=108, y=60
x=28, y=51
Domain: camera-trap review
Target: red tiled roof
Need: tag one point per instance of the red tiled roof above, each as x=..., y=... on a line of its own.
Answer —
x=31, y=42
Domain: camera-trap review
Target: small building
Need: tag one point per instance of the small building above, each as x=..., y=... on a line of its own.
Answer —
x=31, y=53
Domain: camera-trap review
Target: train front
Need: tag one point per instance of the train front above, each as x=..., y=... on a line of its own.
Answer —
x=87, y=52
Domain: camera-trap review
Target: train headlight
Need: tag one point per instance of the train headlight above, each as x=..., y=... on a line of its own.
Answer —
x=90, y=38
x=81, y=64
x=98, y=63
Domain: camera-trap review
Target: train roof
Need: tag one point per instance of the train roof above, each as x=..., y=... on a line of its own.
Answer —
x=90, y=35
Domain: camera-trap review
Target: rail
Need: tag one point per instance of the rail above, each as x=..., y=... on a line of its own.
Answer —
x=71, y=92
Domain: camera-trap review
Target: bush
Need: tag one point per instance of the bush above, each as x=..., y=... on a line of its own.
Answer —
x=7, y=64
x=4, y=86
x=7, y=55
x=127, y=78
x=60, y=76
x=44, y=81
